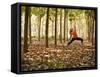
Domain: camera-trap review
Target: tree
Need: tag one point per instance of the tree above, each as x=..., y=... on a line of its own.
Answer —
x=47, y=23
x=56, y=27
x=52, y=18
x=30, y=25
x=64, y=23
x=93, y=33
x=26, y=30
x=52, y=26
x=60, y=25
x=93, y=26
x=39, y=28
x=89, y=24
x=67, y=24
x=39, y=12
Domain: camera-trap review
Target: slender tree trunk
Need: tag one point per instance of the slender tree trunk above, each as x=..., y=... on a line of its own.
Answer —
x=47, y=24
x=39, y=28
x=52, y=28
x=26, y=30
x=56, y=28
x=67, y=24
x=88, y=27
x=86, y=18
x=60, y=26
x=93, y=33
x=93, y=24
x=42, y=28
x=87, y=22
x=30, y=25
x=64, y=24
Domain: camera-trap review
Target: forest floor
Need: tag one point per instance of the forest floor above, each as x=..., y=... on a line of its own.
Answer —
x=75, y=56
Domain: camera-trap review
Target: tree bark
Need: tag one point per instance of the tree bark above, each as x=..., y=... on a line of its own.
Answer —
x=88, y=27
x=67, y=24
x=93, y=33
x=26, y=30
x=93, y=26
x=30, y=25
x=64, y=24
x=39, y=28
x=60, y=26
x=52, y=28
x=56, y=28
x=42, y=28
x=47, y=23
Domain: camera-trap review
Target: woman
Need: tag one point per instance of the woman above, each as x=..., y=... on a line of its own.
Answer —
x=73, y=35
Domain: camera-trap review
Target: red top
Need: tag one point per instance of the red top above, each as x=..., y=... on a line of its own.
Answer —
x=74, y=34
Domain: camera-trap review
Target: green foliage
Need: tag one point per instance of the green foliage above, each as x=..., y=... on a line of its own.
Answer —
x=74, y=14
x=38, y=11
x=52, y=11
x=23, y=9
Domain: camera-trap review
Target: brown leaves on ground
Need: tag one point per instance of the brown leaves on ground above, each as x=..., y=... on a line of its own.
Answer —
x=75, y=56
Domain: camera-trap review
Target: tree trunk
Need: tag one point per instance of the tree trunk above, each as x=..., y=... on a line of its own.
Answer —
x=56, y=28
x=52, y=28
x=93, y=33
x=42, y=28
x=64, y=24
x=39, y=28
x=67, y=24
x=30, y=25
x=60, y=26
x=93, y=24
x=88, y=27
x=26, y=30
x=87, y=22
x=47, y=23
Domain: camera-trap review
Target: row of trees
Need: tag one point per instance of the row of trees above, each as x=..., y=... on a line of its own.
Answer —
x=90, y=17
x=53, y=15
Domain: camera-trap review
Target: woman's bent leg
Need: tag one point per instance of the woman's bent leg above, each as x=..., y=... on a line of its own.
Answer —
x=78, y=38
x=71, y=41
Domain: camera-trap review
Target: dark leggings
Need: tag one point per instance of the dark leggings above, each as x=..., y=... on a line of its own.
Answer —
x=78, y=38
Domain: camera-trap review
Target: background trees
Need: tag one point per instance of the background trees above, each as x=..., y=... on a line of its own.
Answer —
x=52, y=25
x=90, y=17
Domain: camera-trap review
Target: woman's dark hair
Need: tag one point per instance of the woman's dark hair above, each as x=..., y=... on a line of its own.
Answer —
x=71, y=29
